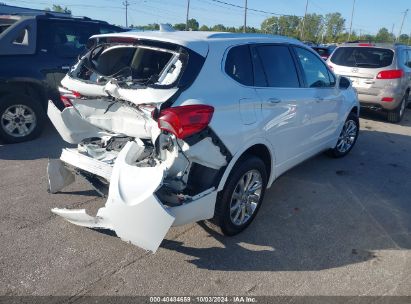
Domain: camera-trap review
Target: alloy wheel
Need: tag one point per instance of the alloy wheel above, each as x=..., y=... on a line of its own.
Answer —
x=18, y=120
x=246, y=197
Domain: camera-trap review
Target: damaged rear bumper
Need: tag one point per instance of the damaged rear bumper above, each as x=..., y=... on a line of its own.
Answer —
x=133, y=210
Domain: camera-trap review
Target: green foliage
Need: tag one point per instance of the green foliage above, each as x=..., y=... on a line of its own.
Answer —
x=334, y=26
x=384, y=35
x=58, y=9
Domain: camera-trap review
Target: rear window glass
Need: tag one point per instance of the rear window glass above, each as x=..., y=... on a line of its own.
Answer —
x=239, y=66
x=322, y=52
x=132, y=65
x=278, y=65
x=363, y=57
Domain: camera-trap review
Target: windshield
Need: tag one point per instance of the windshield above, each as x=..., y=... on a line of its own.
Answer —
x=131, y=64
x=364, y=57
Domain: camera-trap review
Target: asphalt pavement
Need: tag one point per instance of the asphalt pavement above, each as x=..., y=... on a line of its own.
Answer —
x=327, y=227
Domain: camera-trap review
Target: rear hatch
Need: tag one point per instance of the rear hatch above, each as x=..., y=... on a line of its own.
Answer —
x=362, y=64
x=116, y=105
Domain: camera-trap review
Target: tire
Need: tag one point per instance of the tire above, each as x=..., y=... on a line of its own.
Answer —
x=347, y=138
x=249, y=166
x=21, y=118
x=396, y=115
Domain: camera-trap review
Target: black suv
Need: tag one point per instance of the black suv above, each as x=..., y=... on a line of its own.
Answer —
x=35, y=54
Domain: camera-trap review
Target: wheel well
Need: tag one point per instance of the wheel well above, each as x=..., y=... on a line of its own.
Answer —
x=354, y=110
x=36, y=91
x=262, y=152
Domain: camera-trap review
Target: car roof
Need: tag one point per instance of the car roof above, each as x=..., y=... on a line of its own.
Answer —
x=199, y=41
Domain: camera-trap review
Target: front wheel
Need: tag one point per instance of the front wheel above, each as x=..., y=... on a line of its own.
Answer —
x=348, y=137
x=241, y=198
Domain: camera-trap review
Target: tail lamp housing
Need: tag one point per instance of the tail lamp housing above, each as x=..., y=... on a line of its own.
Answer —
x=184, y=121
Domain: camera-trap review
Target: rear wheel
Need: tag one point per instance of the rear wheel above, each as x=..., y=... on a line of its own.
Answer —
x=396, y=115
x=347, y=138
x=241, y=198
x=21, y=118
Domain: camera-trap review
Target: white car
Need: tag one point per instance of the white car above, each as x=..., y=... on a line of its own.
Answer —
x=188, y=126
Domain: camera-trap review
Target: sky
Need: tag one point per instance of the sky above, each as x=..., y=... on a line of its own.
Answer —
x=370, y=15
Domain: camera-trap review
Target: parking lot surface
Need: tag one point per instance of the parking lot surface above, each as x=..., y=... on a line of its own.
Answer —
x=327, y=227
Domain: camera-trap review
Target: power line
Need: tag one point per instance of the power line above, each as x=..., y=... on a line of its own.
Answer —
x=251, y=9
x=126, y=4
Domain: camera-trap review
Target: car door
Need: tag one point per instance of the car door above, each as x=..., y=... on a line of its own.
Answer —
x=284, y=108
x=325, y=100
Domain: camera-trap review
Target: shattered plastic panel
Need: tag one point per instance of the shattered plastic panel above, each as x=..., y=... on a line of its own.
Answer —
x=131, y=210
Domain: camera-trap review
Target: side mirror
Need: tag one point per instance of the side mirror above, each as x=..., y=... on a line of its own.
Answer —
x=344, y=83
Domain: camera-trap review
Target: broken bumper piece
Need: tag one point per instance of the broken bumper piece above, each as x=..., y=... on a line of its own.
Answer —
x=132, y=210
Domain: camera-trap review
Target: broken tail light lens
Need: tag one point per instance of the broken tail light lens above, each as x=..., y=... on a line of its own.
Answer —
x=185, y=121
x=390, y=74
x=67, y=95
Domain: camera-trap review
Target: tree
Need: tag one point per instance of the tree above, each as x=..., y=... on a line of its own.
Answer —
x=218, y=28
x=204, y=28
x=193, y=24
x=180, y=26
x=334, y=26
x=384, y=36
x=403, y=38
x=312, y=27
x=270, y=25
x=58, y=9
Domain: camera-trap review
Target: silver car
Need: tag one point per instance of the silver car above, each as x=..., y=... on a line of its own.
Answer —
x=381, y=74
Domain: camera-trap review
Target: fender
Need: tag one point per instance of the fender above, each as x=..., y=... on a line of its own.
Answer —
x=239, y=153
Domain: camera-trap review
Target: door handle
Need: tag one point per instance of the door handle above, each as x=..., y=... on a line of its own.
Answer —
x=65, y=67
x=273, y=100
x=319, y=99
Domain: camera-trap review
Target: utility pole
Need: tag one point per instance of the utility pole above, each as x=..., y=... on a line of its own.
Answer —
x=126, y=4
x=409, y=39
x=352, y=17
x=402, y=23
x=303, y=25
x=392, y=31
x=188, y=11
x=245, y=17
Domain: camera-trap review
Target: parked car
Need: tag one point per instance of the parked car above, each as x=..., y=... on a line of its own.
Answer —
x=323, y=51
x=381, y=74
x=35, y=53
x=187, y=126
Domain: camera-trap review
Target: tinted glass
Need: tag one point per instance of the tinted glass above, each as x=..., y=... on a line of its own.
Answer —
x=65, y=39
x=238, y=65
x=408, y=63
x=278, y=65
x=363, y=57
x=315, y=71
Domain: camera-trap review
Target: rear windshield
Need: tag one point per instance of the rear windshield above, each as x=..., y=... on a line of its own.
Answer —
x=322, y=52
x=363, y=57
x=131, y=65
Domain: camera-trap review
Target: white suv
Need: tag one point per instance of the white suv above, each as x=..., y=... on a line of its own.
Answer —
x=187, y=126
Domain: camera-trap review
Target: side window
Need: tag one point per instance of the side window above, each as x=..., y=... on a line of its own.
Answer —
x=238, y=65
x=65, y=39
x=276, y=65
x=315, y=71
x=22, y=37
x=408, y=63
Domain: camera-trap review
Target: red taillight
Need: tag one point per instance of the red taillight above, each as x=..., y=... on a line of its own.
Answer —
x=184, y=121
x=387, y=99
x=390, y=74
x=366, y=44
x=66, y=101
x=67, y=95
